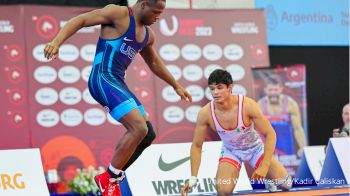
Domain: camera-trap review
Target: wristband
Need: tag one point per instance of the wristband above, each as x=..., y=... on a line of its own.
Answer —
x=193, y=181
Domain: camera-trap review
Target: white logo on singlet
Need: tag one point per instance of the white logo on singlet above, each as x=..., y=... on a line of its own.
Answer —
x=127, y=39
x=128, y=51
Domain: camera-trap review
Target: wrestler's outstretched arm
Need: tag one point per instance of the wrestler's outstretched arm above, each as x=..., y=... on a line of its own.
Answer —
x=158, y=67
x=107, y=15
x=298, y=129
x=263, y=125
x=196, y=147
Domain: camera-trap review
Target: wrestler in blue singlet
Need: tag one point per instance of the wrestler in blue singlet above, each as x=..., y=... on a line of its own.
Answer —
x=106, y=82
x=283, y=126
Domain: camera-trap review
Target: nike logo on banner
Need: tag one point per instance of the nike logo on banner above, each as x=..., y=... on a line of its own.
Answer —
x=126, y=39
x=99, y=184
x=169, y=166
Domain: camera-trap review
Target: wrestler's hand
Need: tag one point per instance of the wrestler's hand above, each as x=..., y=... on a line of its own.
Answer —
x=185, y=189
x=260, y=172
x=51, y=50
x=183, y=94
x=188, y=186
x=300, y=152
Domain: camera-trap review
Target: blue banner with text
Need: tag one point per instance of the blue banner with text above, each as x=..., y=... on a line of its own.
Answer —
x=310, y=23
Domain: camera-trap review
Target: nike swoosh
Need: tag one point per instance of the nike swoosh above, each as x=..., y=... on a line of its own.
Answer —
x=170, y=166
x=126, y=39
x=99, y=184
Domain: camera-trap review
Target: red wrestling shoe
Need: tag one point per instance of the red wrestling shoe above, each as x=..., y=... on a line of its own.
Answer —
x=107, y=185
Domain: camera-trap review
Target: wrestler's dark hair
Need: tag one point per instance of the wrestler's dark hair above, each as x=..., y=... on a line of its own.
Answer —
x=220, y=76
x=272, y=79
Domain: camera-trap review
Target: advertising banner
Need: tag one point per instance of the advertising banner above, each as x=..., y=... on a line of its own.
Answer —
x=306, y=23
x=193, y=44
x=311, y=164
x=168, y=169
x=14, y=117
x=336, y=168
x=281, y=94
x=69, y=126
x=21, y=173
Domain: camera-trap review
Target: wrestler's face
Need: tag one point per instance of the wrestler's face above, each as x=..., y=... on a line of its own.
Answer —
x=220, y=92
x=150, y=12
x=346, y=115
x=273, y=92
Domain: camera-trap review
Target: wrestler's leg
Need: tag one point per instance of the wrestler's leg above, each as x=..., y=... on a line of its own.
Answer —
x=147, y=140
x=226, y=178
x=278, y=175
x=136, y=131
x=228, y=172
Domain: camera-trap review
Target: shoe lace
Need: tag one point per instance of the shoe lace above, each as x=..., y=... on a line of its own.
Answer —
x=111, y=188
x=119, y=178
x=113, y=180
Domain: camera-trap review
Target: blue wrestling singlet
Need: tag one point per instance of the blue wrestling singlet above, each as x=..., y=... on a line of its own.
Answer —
x=283, y=126
x=112, y=58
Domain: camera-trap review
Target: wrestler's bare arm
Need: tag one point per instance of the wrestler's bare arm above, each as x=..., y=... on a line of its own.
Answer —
x=297, y=126
x=198, y=139
x=196, y=147
x=107, y=15
x=263, y=126
x=158, y=67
